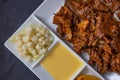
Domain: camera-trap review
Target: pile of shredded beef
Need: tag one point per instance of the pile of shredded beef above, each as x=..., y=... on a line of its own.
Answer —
x=91, y=26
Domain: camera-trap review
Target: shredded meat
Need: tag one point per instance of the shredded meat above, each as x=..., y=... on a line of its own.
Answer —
x=90, y=26
x=63, y=19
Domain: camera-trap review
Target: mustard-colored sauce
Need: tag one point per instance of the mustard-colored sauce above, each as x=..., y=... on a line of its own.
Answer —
x=87, y=77
x=61, y=63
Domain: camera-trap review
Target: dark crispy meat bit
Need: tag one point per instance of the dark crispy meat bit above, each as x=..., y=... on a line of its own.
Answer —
x=78, y=44
x=115, y=43
x=85, y=8
x=64, y=18
x=99, y=6
x=79, y=7
x=112, y=4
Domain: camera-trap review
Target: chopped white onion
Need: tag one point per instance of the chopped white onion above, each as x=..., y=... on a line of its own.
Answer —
x=32, y=42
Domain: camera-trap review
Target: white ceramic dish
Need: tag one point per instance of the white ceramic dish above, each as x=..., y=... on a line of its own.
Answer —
x=12, y=47
x=45, y=13
x=48, y=8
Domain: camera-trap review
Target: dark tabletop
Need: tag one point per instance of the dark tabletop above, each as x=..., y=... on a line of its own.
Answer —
x=12, y=14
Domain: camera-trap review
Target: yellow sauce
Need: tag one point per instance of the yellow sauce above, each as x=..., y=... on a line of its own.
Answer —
x=61, y=63
x=87, y=77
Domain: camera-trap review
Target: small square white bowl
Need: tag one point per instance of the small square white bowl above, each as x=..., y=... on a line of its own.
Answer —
x=31, y=20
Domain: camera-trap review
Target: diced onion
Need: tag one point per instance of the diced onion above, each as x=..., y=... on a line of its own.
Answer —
x=29, y=58
x=33, y=42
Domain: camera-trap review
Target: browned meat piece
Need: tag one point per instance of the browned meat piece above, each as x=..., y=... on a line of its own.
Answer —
x=99, y=32
x=85, y=8
x=91, y=62
x=75, y=21
x=99, y=6
x=83, y=25
x=66, y=28
x=78, y=44
x=106, y=40
x=107, y=48
x=112, y=4
x=91, y=27
x=92, y=40
x=64, y=18
x=78, y=7
x=92, y=23
x=116, y=44
x=80, y=29
x=60, y=32
x=59, y=20
x=116, y=62
x=106, y=61
x=105, y=27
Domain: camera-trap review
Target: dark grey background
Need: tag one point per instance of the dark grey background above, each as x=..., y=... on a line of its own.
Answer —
x=12, y=14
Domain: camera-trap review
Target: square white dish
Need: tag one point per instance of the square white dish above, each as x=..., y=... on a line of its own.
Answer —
x=11, y=46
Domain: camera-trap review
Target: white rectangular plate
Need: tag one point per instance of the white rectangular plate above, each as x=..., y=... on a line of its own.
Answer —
x=45, y=13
